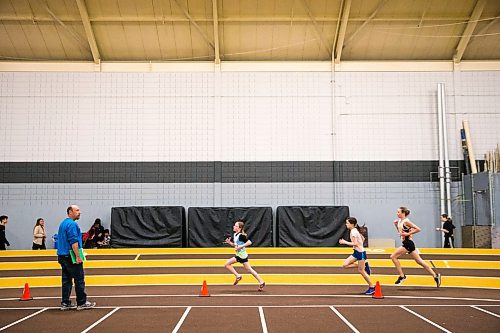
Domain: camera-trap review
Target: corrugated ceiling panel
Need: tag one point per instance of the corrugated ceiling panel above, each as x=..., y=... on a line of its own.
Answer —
x=8, y=49
x=143, y=30
x=19, y=41
x=485, y=46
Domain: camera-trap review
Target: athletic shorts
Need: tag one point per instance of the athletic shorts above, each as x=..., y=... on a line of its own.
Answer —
x=359, y=255
x=409, y=245
x=241, y=260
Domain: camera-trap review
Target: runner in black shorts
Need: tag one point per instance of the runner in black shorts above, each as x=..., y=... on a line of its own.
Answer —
x=240, y=242
x=406, y=229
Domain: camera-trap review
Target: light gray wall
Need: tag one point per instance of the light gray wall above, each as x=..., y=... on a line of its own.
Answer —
x=374, y=204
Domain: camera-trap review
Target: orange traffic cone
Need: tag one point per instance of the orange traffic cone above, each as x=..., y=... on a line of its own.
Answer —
x=26, y=293
x=378, y=291
x=204, y=289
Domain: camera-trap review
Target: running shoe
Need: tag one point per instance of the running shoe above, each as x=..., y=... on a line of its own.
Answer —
x=261, y=286
x=238, y=279
x=370, y=291
x=400, y=279
x=66, y=307
x=367, y=268
x=438, y=280
x=85, y=306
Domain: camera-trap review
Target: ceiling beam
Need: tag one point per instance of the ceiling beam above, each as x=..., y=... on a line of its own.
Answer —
x=343, y=28
x=337, y=28
x=469, y=29
x=215, y=16
x=372, y=16
x=195, y=25
x=319, y=36
x=88, y=31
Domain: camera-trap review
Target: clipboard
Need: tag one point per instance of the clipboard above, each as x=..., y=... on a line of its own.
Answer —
x=73, y=257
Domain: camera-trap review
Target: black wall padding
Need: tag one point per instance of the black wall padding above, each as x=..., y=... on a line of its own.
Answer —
x=208, y=226
x=156, y=226
x=311, y=226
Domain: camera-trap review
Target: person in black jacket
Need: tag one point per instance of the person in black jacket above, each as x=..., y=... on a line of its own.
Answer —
x=447, y=229
x=3, y=240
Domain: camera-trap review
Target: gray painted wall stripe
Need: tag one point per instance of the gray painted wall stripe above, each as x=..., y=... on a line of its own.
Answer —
x=223, y=172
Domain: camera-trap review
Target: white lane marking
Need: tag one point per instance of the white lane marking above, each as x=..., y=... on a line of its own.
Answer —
x=22, y=319
x=262, y=320
x=183, y=317
x=267, y=306
x=446, y=263
x=267, y=295
x=485, y=311
x=344, y=320
x=137, y=257
x=425, y=319
x=100, y=320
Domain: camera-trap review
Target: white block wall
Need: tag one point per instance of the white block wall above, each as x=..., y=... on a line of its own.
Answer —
x=236, y=116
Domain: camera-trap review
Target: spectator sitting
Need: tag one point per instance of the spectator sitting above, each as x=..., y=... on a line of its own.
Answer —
x=94, y=235
x=104, y=244
x=39, y=235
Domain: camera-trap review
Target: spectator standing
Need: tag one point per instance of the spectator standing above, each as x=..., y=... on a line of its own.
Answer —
x=3, y=239
x=447, y=229
x=70, y=239
x=39, y=235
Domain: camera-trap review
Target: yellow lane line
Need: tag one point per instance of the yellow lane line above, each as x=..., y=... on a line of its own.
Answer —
x=34, y=265
x=260, y=250
x=227, y=279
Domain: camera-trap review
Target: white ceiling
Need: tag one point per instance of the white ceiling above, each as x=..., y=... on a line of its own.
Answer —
x=249, y=30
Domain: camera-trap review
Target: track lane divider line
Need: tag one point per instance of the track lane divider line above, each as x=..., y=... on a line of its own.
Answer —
x=183, y=317
x=351, y=326
x=425, y=319
x=100, y=320
x=485, y=311
x=137, y=256
x=23, y=319
x=262, y=320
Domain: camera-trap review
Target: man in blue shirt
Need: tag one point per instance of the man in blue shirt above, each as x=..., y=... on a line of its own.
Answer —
x=70, y=240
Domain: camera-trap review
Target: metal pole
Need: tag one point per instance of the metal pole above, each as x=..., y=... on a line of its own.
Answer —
x=442, y=199
x=441, y=153
x=445, y=149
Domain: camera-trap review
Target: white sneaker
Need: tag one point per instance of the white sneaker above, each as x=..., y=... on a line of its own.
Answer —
x=88, y=305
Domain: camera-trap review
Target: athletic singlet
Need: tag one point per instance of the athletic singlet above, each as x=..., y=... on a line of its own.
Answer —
x=240, y=239
x=404, y=228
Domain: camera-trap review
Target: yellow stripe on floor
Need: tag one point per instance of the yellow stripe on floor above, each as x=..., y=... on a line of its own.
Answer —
x=36, y=265
x=227, y=279
x=259, y=250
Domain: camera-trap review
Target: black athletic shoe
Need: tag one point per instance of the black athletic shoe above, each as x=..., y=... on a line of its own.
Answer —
x=400, y=279
x=438, y=280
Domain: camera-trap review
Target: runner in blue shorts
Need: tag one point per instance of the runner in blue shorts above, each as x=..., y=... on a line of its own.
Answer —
x=359, y=253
